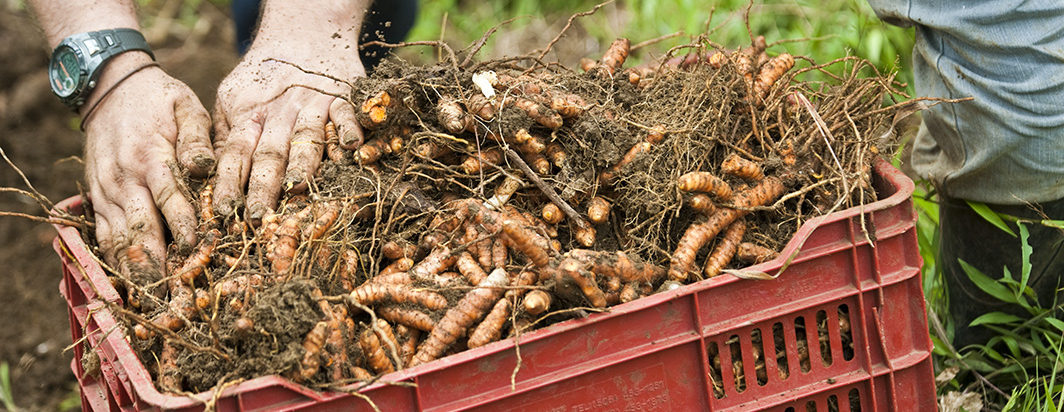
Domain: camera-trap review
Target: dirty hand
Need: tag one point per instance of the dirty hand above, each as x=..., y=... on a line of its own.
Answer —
x=270, y=116
x=147, y=132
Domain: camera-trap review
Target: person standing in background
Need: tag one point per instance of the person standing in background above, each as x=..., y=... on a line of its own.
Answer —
x=1005, y=148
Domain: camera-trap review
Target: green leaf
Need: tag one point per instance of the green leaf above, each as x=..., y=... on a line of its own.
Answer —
x=988, y=285
x=7, y=396
x=980, y=365
x=1025, y=251
x=1007, y=280
x=995, y=318
x=991, y=216
x=1057, y=224
x=940, y=348
x=1014, y=347
x=993, y=354
x=1057, y=323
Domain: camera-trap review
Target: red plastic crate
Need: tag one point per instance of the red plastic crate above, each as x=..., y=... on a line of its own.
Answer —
x=650, y=354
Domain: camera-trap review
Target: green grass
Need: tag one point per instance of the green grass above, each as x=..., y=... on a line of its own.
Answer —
x=1020, y=368
x=7, y=396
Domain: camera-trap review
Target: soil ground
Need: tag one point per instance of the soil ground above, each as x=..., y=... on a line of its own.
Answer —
x=41, y=136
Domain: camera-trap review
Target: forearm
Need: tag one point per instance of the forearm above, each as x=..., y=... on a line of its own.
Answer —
x=332, y=22
x=62, y=18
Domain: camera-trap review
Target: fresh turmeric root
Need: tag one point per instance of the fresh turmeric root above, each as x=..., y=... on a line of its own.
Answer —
x=333, y=150
x=395, y=249
x=312, y=347
x=538, y=162
x=167, y=374
x=771, y=72
x=705, y=182
x=437, y=261
x=394, y=278
x=587, y=64
x=375, y=110
x=324, y=221
x=527, y=242
x=412, y=318
x=499, y=254
x=608, y=176
x=598, y=210
x=552, y=214
x=481, y=107
x=617, y=265
x=409, y=339
x=490, y=329
x=478, y=162
x=567, y=104
x=585, y=235
x=402, y=264
x=470, y=268
x=725, y=249
x=737, y=166
x=373, y=348
x=340, y=325
x=348, y=268
x=281, y=250
x=751, y=253
x=208, y=220
x=461, y=316
x=701, y=203
x=536, y=302
x=372, y=293
x=698, y=234
x=556, y=154
x=615, y=56
x=198, y=261
x=372, y=150
x=538, y=112
x=573, y=270
x=450, y=114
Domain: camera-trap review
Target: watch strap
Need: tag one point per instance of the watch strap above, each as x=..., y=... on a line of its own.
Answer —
x=111, y=42
x=94, y=49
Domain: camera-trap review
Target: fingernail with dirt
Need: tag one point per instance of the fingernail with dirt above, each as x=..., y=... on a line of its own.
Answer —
x=202, y=164
x=294, y=183
x=227, y=208
x=350, y=138
x=255, y=213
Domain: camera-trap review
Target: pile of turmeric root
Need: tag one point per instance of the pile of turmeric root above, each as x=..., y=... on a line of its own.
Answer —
x=493, y=198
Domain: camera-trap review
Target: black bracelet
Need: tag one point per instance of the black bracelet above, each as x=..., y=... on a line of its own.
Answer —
x=88, y=113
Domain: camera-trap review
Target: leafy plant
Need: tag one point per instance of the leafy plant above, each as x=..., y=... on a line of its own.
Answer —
x=1025, y=356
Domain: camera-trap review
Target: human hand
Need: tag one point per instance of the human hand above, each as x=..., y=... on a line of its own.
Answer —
x=140, y=138
x=270, y=115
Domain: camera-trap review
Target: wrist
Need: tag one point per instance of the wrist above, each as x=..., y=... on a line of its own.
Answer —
x=58, y=22
x=334, y=22
x=115, y=70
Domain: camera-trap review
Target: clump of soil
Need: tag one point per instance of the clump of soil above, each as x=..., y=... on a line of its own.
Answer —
x=453, y=185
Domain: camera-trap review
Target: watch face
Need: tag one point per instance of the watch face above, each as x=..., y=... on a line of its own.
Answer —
x=64, y=71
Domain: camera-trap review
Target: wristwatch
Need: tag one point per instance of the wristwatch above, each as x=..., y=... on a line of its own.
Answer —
x=78, y=60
